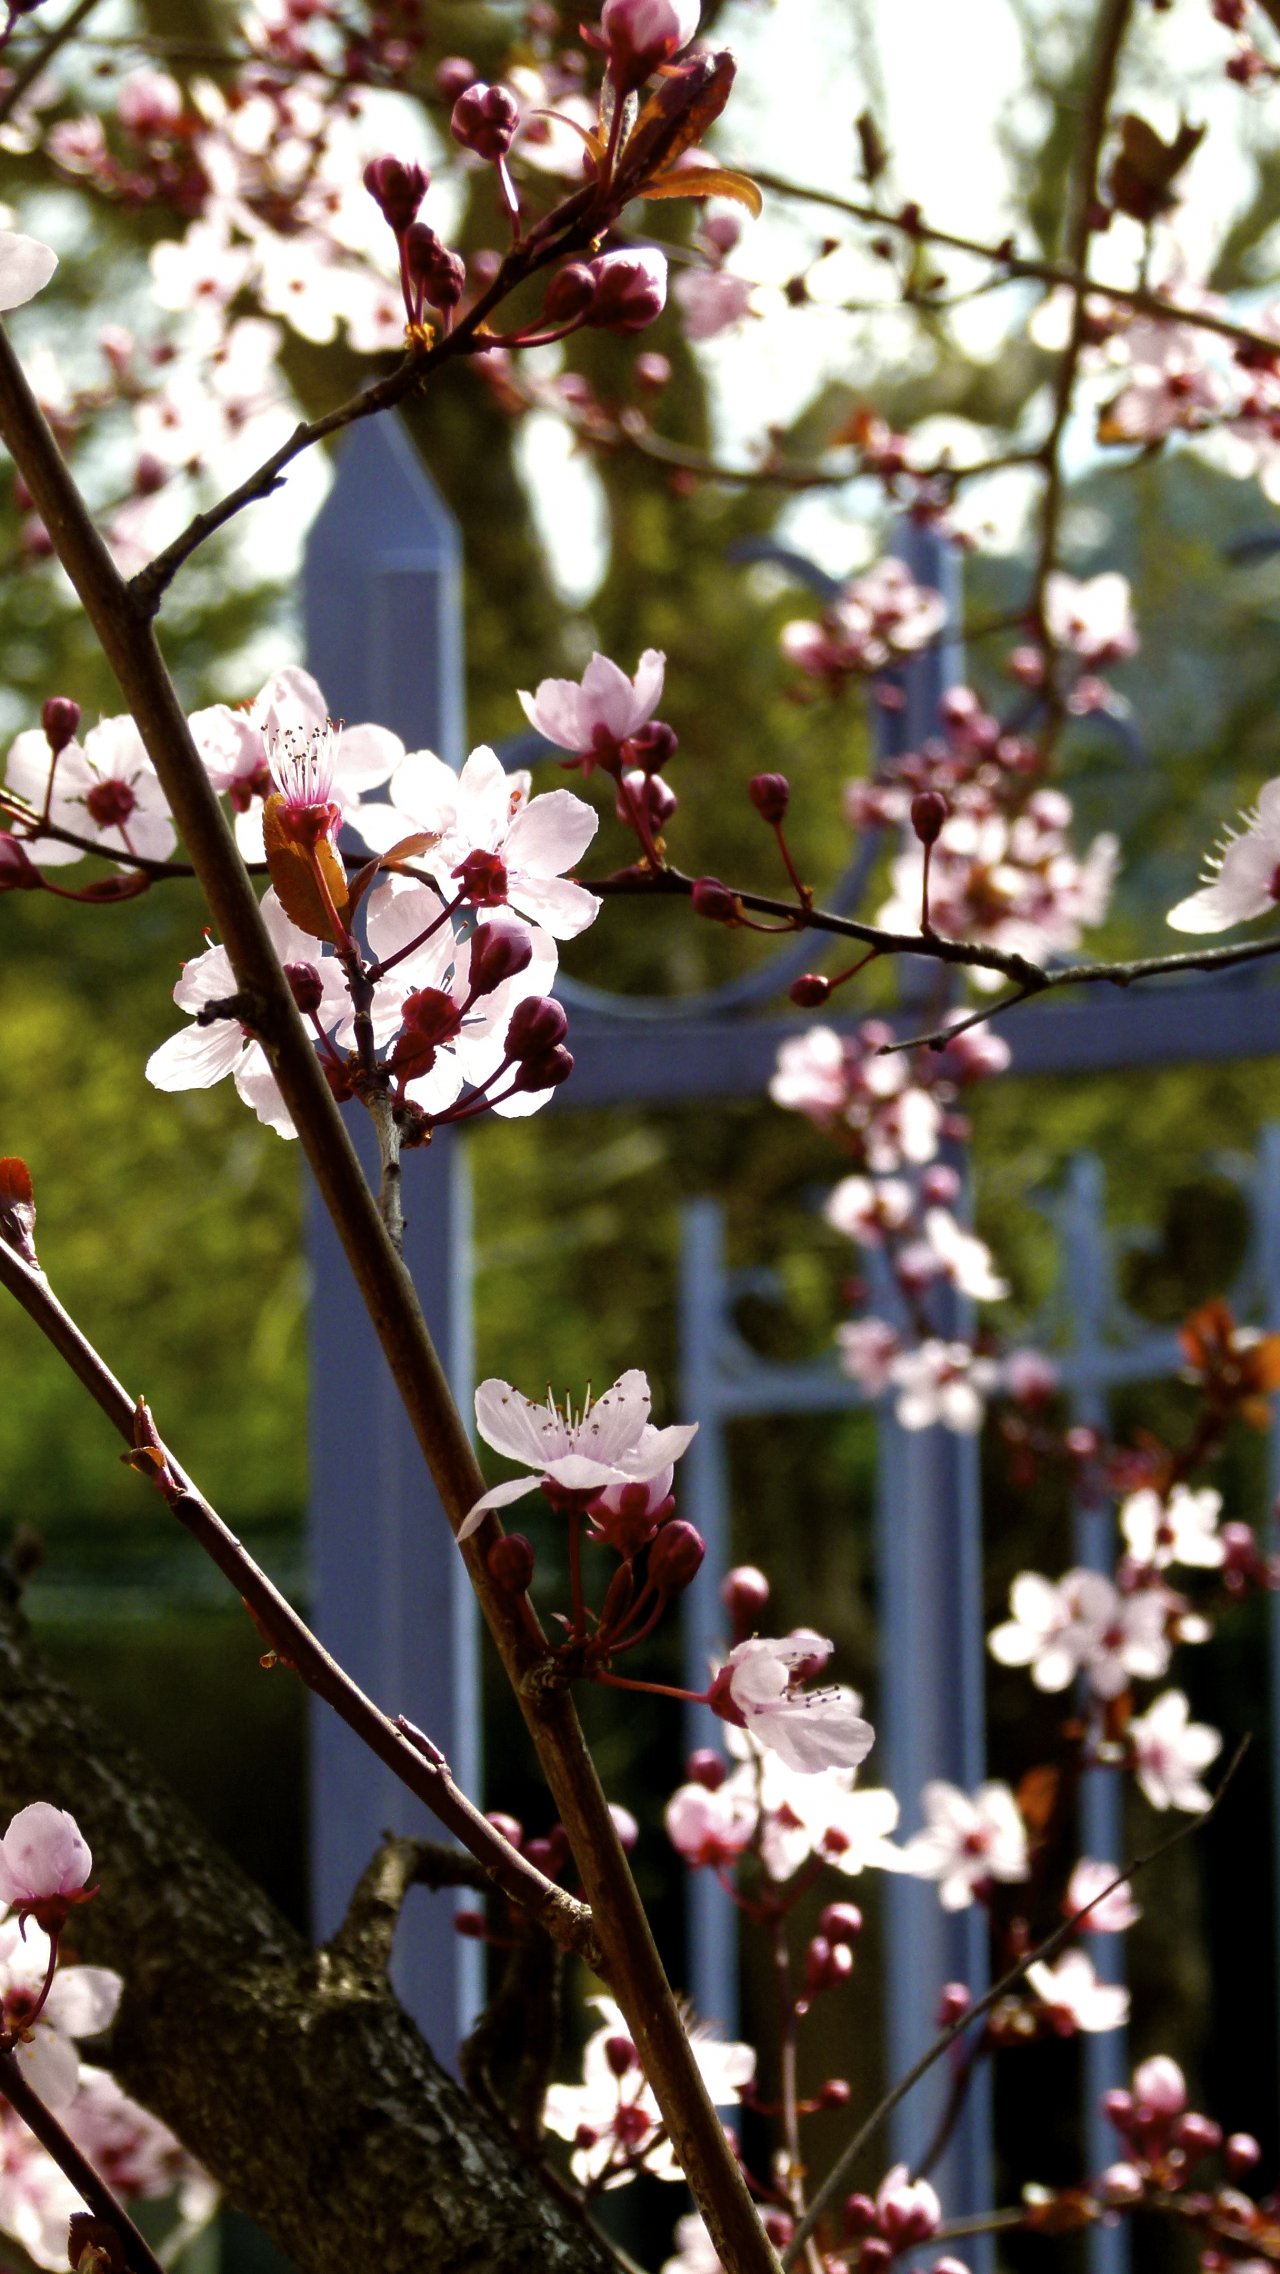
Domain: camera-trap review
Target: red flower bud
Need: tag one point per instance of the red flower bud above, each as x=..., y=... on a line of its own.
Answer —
x=841, y=1922
x=655, y=745
x=18, y=872
x=432, y=1013
x=676, y=1557
x=956, y=1998
x=835, y=2093
x=809, y=990
x=398, y=189
x=510, y=1827
x=510, y=1561
x=484, y=120
x=453, y=75
x=707, y=1768
x=928, y=812
x=547, y=1071
x=469, y=1923
x=483, y=877
x=860, y=2216
x=570, y=293
x=537, y=1025
x=499, y=949
x=770, y=794
x=652, y=372
x=744, y=1591
x=60, y=719
x=442, y=274
x=631, y=289
x=620, y=2054
x=305, y=985
x=714, y=901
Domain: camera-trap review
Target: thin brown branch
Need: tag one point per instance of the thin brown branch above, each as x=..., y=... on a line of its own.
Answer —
x=630, y=1960
x=366, y=1938
x=839, y=2175
x=74, y=2164
x=909, y=222
x=564, y=1919
x=41, y=56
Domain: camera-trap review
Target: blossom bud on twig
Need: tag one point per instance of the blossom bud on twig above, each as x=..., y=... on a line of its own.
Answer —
x=809, y=990
x=631, y=289
x=511, y=1562
x=675, y=1558
x=397, y=189
x=499, y=949
x=654, y=744
x=770, y=794
x=305, y=986
x=453, y=75
x=18, y=872
x=744, y=1591
x=484, y=120
x=546, y=1072
x=442, y=274
x=570, y=293
x=714, y=900
x=537, y=1025
x=60, y=719
x=643, y=34
x=841, y=1922
x=928, y=812
x=707, y=1768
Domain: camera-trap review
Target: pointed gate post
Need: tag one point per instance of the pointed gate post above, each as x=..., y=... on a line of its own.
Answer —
x=382, y=585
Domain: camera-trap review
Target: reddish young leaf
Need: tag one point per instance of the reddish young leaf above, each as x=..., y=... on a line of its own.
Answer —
x=18, y=1209
x=689, y=98
x=293, y=875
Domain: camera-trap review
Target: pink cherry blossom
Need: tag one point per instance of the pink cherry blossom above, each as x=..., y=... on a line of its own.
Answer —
x=811, y=1730
x=136, y=2154
x=1115, y=1913
x=868, y=1349
x=1170, y=1752
x=800, y=1814
x=25, y=268
x=1075, y=1996
x=967, y=1841
x=1083, y=1625
x=106, y=791
x=711, y=301
x=1092, y=616
x=287, y=741
x=36, y=2199
x=82, y=2001
x=1245, y=879
x=611, y=1441
x=531, y=841
x=1159, y=2087
x=965, y=1259
x=593, y=718
x=695, y=2252
x=44, y=1861
x=941, y=1385
x=710, y=1827
x=909, y=2209
x=199, y=1056
x=1182, y=1529
x=618, y=2113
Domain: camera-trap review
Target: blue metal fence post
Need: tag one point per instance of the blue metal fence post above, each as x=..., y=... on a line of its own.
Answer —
x=711, y=1921
x=384, y=638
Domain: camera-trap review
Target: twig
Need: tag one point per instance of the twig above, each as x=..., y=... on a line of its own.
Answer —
x=367, y=1935
x=43, y=55
x=630, y=1961
x=838, y=2177
x=88, y=2184
x=910, y=223
x=564, y=1919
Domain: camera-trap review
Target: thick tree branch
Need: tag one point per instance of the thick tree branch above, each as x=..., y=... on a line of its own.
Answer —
x=630, y=1958
x=293, y=2074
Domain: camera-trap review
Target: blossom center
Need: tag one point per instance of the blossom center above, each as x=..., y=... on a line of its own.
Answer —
x=111, y=803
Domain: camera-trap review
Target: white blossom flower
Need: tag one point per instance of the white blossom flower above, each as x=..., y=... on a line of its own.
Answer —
x=1171, y=1750
x=81, y=2002
x=711, y=301
x=1115, y=1913
x=868, y=1348
x=942, y=1384
x=484, y=810
x=1092, y=616
x=106, y=791
x=696, y=2253
x=613, y=2115
x=711, y=1827
x=1083, y=1625
x=815, y=1813
x=1075, y=1996
x=137, y=2155
x=865, y=1208
x=967, y=1841
x=592, y=718
x=199, y=1056
x=611, y=1441
x=25, y=268
x=811, y=1729
x=1182, y=1529
x=966, y=1260
x=1245, y=878
x=286, y=740
x=36, y=2200
x=44, y=1860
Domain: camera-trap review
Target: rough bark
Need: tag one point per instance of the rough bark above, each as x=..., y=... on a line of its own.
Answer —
x=292, y=2073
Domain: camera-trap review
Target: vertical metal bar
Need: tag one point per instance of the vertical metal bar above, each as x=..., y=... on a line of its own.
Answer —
x=711, y=1923
x=382, y=586
x=1086, y=1284
x=1267, y=1235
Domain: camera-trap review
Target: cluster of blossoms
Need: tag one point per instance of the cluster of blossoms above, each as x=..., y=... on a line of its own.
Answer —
x=880, y=618
x=613, y=2121
x=46, y=2008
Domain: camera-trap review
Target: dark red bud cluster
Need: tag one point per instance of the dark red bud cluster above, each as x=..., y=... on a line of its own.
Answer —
x=654, y=746
x=537, y=1025
x=770, y=794
x=841, y=1923
x=483, y=878
x=550, y=1854
x=60, y=719
x=431, y=1013
x=441, y=274
x=825, y=1965
x=546, y=1072
x=707, y=1768
x=650, y=793
x=397, y=189
x=484, y=120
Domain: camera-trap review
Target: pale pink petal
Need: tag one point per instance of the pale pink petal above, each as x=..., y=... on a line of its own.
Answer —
x=500, y=1496
x=561, y=908
x=615, y=1421
x=365, y=756
x=557, y=710
x=550, y=833
x=609, y=698
x=51, y=2065
x=657, y=1451
x=258, y=1087
x=25, y=267
x=196, y=1058
x=514, y=1425
x=83, y=2000
x=426, y=790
